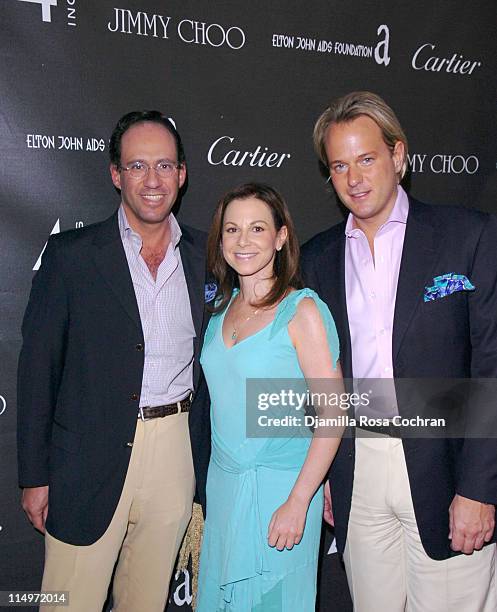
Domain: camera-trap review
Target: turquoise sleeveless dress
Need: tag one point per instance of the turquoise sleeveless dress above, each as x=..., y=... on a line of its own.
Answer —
x=249, y=478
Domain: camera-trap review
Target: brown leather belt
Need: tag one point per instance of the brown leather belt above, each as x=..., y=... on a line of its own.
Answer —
x=157, y=412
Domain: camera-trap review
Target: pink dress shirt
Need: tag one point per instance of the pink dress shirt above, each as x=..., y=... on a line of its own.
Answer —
x=371, y=288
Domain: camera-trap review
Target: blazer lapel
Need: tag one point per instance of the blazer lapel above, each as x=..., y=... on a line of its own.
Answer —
x=334, y=294
x=194, y=267
x=422, y=244
x=193, y=260
x=111, y=262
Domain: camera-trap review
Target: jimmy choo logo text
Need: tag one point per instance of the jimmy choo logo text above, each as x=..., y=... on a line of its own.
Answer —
x=443, y=163
x=189, y=31
x=139, y=23
x=213, y=34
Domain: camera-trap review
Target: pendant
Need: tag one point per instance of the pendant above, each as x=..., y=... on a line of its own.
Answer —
x=233, y=335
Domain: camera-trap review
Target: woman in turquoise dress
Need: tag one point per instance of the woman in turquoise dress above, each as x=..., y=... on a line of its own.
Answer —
x=264, y=495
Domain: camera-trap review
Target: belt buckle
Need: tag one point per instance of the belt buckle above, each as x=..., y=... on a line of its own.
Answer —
x=140, y=414
x=178, y=405
x=188, y=398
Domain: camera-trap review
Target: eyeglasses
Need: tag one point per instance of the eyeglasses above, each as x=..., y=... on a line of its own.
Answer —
x=139, y=170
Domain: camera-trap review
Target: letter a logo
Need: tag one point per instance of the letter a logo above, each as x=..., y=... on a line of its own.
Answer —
x=381, y=50
x=55, y=230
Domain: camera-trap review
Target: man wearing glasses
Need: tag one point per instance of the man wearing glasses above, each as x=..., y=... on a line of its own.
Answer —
x=112, y=403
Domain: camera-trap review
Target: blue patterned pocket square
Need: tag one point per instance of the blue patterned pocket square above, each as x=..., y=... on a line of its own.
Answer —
x=210, y=292
x=447, y=284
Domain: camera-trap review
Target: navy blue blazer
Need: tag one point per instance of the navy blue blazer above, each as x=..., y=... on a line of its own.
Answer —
x=80, y=375
x=453, y=337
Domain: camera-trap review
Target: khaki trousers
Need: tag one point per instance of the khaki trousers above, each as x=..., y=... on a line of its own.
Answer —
x=144, y=535
x=387, y=567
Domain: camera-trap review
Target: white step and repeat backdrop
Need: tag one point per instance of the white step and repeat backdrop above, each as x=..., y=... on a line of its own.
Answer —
x=244, y=82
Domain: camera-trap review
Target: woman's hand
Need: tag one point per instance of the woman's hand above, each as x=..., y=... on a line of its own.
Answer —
x=287, y=524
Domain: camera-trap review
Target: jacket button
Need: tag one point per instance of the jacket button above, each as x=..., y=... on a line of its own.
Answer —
x=129, y=444
x=134, y=396
x=139, y=347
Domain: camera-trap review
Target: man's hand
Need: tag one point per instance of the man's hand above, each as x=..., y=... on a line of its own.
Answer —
x=35, y=504
x=328, y=508
x=471, y=524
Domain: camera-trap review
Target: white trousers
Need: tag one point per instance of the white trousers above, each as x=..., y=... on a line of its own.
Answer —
x=387, y=567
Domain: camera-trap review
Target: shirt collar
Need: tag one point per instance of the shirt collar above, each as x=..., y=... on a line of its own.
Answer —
x=399, y=214
x=126, y=230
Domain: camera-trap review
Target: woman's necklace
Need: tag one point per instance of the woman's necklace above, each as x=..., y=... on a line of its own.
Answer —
x=236, y=328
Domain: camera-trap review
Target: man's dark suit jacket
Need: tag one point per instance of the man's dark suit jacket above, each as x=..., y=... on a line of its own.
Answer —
x=80, y=376
x=452, y=337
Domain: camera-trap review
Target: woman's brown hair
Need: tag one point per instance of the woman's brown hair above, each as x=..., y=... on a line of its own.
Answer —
x=286, y=262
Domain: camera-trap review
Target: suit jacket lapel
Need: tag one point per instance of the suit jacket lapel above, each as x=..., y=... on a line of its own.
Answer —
x=194, y=267
x=334, y=294
x=422, y=244
x=111, y=262
x=193, y=260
